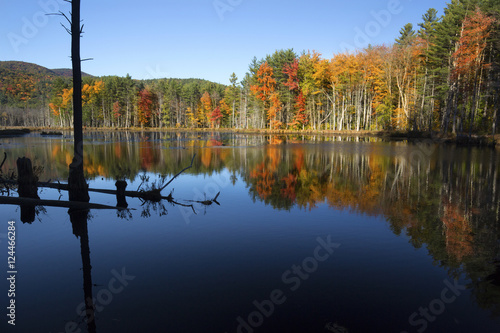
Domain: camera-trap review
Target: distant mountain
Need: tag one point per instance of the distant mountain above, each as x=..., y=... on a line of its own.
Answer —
x=11, y=67
x=24, y=84
x=30, y=86
x=14, y=67
x=67, y=72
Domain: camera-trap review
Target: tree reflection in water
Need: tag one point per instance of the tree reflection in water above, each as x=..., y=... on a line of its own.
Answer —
x=446, y=199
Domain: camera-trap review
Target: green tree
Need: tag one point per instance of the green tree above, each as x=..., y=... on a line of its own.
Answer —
x=407, y=35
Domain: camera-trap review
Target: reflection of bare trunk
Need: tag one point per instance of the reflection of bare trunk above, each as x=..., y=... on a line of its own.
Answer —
x=27, y=187
x=79, y=221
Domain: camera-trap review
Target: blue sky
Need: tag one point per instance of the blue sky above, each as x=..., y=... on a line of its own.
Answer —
x=206, y=39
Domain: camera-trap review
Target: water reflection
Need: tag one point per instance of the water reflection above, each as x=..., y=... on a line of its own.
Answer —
x=79, y=220
x=445, y=198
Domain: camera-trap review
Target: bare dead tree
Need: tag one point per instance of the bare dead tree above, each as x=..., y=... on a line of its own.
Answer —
x=78, y=188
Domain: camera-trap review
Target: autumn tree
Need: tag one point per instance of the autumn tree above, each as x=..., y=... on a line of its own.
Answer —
x=92, y=101
x=145, y=107
x=215, y=117
x=292, y=73
x=265, y=91
x=277, y=61
x=192, y=121
x=470, y=66
x=205, y=109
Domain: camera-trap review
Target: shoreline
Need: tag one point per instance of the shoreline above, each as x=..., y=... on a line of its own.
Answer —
x=428, y=137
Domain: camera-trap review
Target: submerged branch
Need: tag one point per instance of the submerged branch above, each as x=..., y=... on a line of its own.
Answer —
x=54, y=203
x=4, y=158
x=207, y=202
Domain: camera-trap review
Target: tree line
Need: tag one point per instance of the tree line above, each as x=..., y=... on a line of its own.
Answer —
x=442, y=76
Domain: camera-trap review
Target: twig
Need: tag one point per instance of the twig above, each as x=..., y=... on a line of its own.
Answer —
x=4, y=158
x=208, y=202
x=163, y=187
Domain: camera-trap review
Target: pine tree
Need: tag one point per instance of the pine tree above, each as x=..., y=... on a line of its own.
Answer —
x=407, y=35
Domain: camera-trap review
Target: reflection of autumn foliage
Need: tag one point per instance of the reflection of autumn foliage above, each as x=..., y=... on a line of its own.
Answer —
x=274, y=140
x=206, y=157
x=264, y=180
x=373, y=185
x=212, y=158
x=146, y=155
x=69, y=158
x=288, y=190
x=298, y=159
x=458, y=232
x=449, y=205
x=357, y=187
x=273, y=158
x=214, y=143
x=118, y=150
x=94, y=169
x=56, y=150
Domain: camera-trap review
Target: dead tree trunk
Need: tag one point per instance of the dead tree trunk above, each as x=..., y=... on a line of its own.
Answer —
x=78, y=188
x=27, y=188
x=121, y=199
x=26, y=180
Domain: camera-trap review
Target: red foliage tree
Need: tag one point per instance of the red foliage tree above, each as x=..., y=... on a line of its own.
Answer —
x=116, y=110
x=292, y=71
x=300, y=117
x=145, y=107
x=215, y=116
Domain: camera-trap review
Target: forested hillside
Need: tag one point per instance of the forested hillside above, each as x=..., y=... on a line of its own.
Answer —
x=443, y=75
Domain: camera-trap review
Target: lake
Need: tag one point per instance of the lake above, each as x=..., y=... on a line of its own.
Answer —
x=307, y=234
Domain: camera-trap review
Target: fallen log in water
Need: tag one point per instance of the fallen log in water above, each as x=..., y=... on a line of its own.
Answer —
x=53, y=203
x=150, y=195
x=153, y=195
x=65, y=187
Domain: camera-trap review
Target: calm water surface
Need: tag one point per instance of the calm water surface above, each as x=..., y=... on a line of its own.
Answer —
x=312, y=234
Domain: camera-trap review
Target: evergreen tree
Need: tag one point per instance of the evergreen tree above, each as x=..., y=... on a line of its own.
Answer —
x=407, y=35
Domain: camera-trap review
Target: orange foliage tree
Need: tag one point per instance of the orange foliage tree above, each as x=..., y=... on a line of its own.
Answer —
x=292, y=73
x=205, y=109
x=265, y=91
x=470, y=66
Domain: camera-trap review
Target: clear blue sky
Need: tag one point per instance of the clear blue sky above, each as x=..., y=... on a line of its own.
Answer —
x=206, y=39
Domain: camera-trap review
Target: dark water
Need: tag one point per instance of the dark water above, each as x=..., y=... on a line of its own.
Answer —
x=312, y=234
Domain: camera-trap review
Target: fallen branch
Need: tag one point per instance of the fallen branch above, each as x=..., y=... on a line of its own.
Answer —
x=153, y=195
x=163, y=187
x=207, y=202
x=170, y=199
x=4, y=158
x=53, y=203
x=150, y=195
